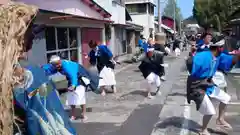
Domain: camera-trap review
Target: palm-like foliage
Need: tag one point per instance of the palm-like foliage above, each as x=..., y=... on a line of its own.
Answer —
x=214, y=13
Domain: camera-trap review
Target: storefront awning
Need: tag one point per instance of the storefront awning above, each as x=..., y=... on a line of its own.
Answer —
x=133, y=26
x=120, y=25
x=168, y=29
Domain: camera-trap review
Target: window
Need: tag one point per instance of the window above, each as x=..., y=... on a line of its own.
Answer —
x=50, y=39
x=151, y=9
x=121, y=2
x=137, y=8
x=62, y=42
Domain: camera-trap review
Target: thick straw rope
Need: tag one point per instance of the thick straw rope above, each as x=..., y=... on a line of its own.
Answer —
x=14, y=20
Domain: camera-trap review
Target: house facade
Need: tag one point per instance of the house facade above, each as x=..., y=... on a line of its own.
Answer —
x=142, y=13
x=70, y=26
x=115, y=32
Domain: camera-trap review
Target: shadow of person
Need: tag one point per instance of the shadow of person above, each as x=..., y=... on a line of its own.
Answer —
x=177, y=94
x=178, y=123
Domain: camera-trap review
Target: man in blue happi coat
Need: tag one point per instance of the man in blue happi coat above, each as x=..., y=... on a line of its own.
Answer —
x=78, y=80
x=201, y=88
x=102, y=57
x=204, y=42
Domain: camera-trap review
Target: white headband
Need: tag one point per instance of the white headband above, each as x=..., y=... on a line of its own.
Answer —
x=54, y=58
x=150, y=49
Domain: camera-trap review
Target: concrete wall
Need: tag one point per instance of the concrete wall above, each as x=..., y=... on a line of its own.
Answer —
x=115, y=9
x=75, y=7
x=147, y=21
x=118, y=13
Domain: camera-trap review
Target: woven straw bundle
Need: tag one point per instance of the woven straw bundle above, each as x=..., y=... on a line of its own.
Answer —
x=14, y=21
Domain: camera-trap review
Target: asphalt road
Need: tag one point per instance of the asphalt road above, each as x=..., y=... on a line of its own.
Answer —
x=129, y=113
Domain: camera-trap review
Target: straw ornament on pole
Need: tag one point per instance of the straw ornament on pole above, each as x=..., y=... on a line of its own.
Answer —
x=14, y=21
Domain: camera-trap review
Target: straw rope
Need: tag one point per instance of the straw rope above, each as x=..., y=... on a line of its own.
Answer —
x=14, y=20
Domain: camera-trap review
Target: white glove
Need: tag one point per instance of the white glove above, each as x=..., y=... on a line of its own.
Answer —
x=85, y=80
x=114, y=62
x=164, y=65
x=167, y=50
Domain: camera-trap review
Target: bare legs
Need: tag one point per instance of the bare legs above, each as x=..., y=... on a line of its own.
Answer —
x=220, y=120
x=149, y=86
x=83, y=114
x=206, y=119
x=73, y=112
x=114, y=89
x=103, y=90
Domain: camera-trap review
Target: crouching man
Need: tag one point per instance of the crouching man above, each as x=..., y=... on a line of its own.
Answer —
x=201, y=88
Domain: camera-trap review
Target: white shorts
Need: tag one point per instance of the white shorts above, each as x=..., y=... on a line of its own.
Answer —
x=108, y=77
x=219, y=80
x=77, y=97
x=177, y=52
x=207, y=107
x=153, y=78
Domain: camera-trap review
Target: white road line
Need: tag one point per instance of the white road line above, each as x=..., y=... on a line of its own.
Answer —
x=236, y=76
x=232, y=114
x=234, y=103
x=186, y=116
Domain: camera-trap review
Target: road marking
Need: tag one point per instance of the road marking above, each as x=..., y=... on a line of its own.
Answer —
x=234, y=103
x=186, y=116
x=236, y=76
x=232, y=114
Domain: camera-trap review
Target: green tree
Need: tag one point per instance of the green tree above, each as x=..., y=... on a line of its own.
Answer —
x=169, y=10
x=214, y=13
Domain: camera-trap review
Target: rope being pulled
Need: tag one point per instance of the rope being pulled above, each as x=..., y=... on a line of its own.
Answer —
x=14, y=21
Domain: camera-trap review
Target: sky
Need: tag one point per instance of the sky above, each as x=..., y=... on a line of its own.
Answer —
x=185, y=6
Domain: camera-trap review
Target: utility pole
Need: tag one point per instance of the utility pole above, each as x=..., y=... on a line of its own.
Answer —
x=159, y=17
x=174, y=15
x=180, y=28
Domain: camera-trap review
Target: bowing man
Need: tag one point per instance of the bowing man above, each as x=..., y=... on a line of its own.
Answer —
x=201, y=88
x=78, y=80
x=101, y=56
x=151, y=69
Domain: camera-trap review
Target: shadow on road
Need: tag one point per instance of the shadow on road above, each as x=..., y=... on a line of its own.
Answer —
x=177, y=94
x=128, y=61
x=178, y=123
x=136, y=70
x=138, y=123
x=142, y=93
